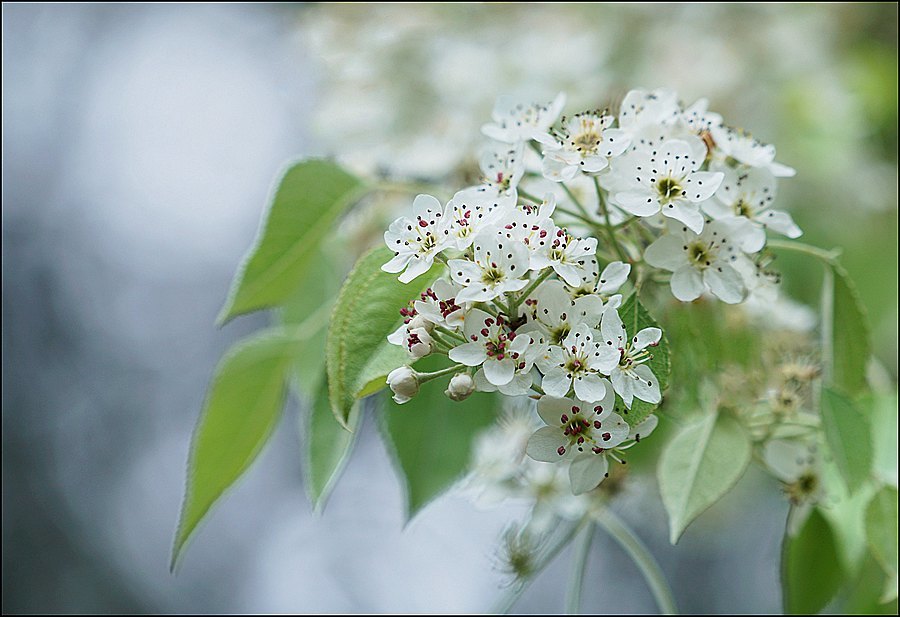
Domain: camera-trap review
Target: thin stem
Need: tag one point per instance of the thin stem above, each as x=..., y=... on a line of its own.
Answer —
x=578, y=216
x=437, y=338
x=450, y=333
x=506, y=602
x=609, y=228
x=425, y=377
x=827, y=326
x=527, y=195
x=531, y=287
x=579, y=565
x=642, y=558
x=829, y=257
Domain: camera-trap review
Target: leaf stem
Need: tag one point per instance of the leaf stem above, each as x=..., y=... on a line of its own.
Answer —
x=579, y=565
x=450, y=333
x=531, y=287
x=642, y=558
x=829, y=257
x=426, y=377
x=609, y=228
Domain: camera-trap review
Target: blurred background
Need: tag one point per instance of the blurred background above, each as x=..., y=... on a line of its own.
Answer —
x=139, y=146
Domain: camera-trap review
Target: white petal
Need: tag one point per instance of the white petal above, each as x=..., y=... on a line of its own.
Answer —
x=544, y=444
x=687, y=213
x=470, y=354
x=616, y=428
x=499, y=372
x=647, y=336
x=613, y=276
x=587, y=471
x=417, y=267
x=551, y=408
x=424, y=202
x=556, y=382
x=781, y=222
x=644, y=428
x=667, y=252
x=725, y=282
x=646, y=387
x=520, y=384
x=590, y=388
x=638, y=204
x=612, y=330
x=701, y=185
x=397, y=262
x=623, y=385
x=686, y=283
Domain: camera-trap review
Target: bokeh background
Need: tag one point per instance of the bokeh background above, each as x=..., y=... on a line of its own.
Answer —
x=139, y=145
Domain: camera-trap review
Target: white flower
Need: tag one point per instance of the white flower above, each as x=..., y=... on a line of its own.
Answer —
x=566, y=254
x=514, y=121
x=585, y=144
x=531, y=225
x=641, y=109
x=577, y=363
x=644, y=428
x=701, y=261
x=631, y=377
x=552, y=311
x=665, y=180
x=525, y=350
x=581, y=432
x=493, y=345
x=497, y=266
x=438, y=304
x=749, y=192
x=460, y=387
x=467, y=215
x=743, y=148
x=416, y=241
x=597, y=290
x=502, y=167
x=404, y=383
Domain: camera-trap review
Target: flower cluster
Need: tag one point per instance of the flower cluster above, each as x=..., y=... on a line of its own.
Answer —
x=528, y=302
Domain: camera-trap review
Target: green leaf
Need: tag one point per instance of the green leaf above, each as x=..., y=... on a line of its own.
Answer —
x=309, y=308
x=430, y=437
x=367, y=310
x=328, y=446
x=846, y=513
x=848, y=435
x=882, y=409
x=311, y=195
x=242, y=407
x=881, y=534
x=635, y=318
x=851, y=346
x=866, y=596
x=698, y=466
x=810, y=567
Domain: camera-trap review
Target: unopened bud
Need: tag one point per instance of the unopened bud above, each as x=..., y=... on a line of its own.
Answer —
x=404, y=383
x=461, y=386
x=420, y=322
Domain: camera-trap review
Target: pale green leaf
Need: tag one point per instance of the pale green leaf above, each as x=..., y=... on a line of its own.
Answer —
x=881, y=533
x=430, y=437
x=357, y=353
x=309, y=198
x=698, y=466
x=846, y=513
x=635, y=318
x=882, y=409
x=810, y=567
x=851, y=347
x=328, y=445
x=243, y=405
x=848, y=435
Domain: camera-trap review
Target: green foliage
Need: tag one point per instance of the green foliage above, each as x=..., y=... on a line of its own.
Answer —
x=311, y=195
x=851, y=347
x=430, y=437
x=811, y=574
x=698, y=466
x=636, y=318
x=328, y=445
x=358, y=356
x=882, y=409
x=848, y=434
x=881, y=533
x=243, y=405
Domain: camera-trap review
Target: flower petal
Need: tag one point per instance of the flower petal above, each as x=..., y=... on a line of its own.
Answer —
x=544, y=444
x=587, y=471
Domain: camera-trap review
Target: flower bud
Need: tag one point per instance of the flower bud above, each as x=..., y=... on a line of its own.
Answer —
x=461, y=386
x=420, y=322
x=419, y=343
x=404, y=383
